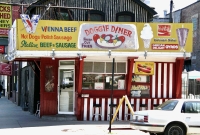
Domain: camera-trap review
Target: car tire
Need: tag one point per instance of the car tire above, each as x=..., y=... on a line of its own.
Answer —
x=174, y=128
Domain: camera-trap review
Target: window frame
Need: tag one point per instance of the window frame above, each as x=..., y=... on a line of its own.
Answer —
x=92, y=72
x=127, y=13
x=98, y=12
x=183, y=109
x=105, y=74
x=89, y=81
x=195, y=21
x=63, y=10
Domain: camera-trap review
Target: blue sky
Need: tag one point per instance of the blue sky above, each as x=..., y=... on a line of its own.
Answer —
x=161, y=5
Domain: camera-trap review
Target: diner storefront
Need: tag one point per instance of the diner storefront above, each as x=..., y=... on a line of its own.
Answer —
x=76, y=63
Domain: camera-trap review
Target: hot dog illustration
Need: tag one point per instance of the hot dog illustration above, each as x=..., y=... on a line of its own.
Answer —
x=108, y=40
x=144, y=68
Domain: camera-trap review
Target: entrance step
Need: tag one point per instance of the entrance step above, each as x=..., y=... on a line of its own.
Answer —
x=60, y=117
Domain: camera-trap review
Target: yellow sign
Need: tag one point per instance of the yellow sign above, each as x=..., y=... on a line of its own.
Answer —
x=165, y=37
x=58, y=35
x=5, y=19
x=101, y=36
x=144, y=68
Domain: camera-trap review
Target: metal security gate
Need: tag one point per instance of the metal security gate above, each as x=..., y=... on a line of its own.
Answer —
x=194, y=89
x=191, y=84
x=191, y=90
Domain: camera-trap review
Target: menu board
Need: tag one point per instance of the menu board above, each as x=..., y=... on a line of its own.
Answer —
x=140, y=91
x=140, y=78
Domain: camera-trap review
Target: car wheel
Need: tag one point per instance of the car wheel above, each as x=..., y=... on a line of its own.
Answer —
x=174, y=129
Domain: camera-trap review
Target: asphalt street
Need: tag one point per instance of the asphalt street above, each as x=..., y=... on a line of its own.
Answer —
x=13, y=120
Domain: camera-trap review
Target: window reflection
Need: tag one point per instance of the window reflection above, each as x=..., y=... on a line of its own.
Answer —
x=103, y=81
x=124, y=18
x=49, y=79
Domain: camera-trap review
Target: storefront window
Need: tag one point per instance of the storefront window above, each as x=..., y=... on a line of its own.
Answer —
x=98, y=75
x=49, y=78
x=140, y=86
x=103, y=81
x=141, y=78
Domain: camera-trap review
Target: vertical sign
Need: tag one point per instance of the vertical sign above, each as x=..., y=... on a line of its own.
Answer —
x=5, y=69
x=5, y=19
x=2, y=49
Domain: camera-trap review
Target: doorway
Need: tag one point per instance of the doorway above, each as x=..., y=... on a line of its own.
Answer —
x=66, y=89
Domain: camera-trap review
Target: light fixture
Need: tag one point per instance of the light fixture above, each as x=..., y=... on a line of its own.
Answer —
x=145, y=54
x=10, y=56
x=79, y=55
x=5, y=56
x=53, y=54
x=109, y=53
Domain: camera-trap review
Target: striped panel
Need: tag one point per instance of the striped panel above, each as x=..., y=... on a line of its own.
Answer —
x=171, y=80
x=162, y=80
x=123, y=110
x=161, y=90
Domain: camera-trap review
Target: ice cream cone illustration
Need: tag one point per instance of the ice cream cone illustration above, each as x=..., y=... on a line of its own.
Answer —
x=146, y=35
x=182, y=34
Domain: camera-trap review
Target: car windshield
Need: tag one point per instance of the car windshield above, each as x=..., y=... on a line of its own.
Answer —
x=168, y=105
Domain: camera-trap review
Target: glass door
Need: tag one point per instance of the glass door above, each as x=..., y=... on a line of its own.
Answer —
x=66, y=89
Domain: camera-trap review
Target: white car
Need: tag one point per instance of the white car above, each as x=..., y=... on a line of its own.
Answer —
x=173, y=117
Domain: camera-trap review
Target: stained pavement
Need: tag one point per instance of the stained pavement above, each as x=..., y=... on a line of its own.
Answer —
x=13, y=120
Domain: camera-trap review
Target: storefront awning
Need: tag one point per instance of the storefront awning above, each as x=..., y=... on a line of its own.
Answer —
x=4, y=41
x=67, y=54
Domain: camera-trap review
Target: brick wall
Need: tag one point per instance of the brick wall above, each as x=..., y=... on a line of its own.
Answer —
x=15, y=13
x=186, y=17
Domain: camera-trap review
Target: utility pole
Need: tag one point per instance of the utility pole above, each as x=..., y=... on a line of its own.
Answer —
x=111, y=105
x=170, y=15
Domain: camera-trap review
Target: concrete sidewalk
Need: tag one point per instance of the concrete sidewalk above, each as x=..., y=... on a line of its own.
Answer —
x=13, y=119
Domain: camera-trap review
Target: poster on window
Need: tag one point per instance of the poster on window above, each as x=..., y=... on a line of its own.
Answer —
x=140, y=91
x=144, y=68
x=140, y=78
x=98, y=86
x=121, y=84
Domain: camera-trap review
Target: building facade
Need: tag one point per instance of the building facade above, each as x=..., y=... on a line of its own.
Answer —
x=190, y=14
x=70, y=61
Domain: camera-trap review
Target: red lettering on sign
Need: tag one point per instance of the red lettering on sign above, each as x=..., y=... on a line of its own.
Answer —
x=165, y=46
x=4, y=32
x=2, y=49
x=164, y=30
